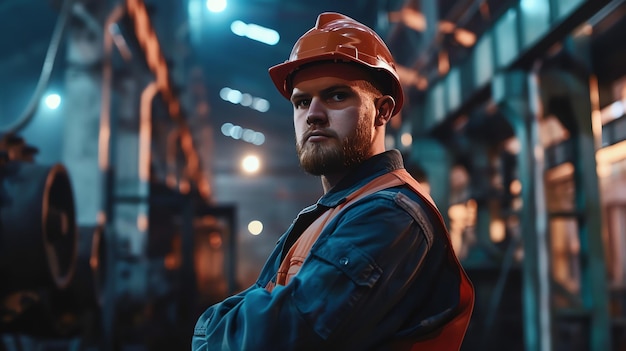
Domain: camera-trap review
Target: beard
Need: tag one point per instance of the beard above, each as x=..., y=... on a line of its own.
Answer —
x=336, y=155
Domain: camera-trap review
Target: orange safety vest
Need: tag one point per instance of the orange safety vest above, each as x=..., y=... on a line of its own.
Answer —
x=448, y=337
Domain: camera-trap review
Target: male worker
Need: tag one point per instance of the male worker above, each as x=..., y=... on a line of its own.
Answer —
x=370, y=265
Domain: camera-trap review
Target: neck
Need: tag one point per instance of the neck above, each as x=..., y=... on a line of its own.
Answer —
x=330, y=180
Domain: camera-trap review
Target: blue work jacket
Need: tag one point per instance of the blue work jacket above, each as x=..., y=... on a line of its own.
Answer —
x=379, y=277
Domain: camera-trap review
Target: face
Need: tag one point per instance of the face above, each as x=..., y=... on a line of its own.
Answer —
x=334, y=112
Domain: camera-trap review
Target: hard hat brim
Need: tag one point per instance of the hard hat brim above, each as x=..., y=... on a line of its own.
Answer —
x=281, y=74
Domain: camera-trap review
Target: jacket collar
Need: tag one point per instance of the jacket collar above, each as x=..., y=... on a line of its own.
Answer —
x=373, y=167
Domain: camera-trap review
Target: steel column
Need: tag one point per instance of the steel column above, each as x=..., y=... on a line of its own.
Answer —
x=515, y=93
x=434, y=158
x=572, y=89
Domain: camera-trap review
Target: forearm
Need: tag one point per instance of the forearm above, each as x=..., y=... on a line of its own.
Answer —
x=260, y=321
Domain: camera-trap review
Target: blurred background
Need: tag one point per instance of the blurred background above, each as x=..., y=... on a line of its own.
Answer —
x=147, y=163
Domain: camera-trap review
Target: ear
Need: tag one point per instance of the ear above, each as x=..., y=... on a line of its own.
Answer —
x=384, y=108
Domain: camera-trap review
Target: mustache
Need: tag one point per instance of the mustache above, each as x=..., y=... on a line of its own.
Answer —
x=327, y=132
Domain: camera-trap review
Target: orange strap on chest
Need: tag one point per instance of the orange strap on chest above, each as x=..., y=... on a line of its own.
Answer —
x=299, y=251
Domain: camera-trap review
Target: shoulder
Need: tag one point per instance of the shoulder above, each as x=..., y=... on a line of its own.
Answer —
x=394, y=209
x=415, y=205
x=401, y=198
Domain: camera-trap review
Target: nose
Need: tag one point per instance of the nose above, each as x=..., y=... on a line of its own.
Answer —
x=316, y=113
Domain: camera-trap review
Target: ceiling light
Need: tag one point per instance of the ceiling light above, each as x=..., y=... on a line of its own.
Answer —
x=251, y=164
x=226, y=128
x=53, y=101
x=216, y=5
x=234, y=96
x=255, y=32
x=255, y=227
x=244, y=99
x=261, y=105
x=238, y=133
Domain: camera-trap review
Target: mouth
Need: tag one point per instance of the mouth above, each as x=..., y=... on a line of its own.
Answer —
x=318, y=135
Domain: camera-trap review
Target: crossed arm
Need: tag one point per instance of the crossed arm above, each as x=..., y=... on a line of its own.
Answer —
x=350, y=293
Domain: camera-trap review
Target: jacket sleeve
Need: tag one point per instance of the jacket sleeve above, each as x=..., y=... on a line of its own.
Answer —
x=364, y=280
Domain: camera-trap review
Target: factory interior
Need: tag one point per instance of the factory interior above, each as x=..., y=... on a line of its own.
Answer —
x=148, y=163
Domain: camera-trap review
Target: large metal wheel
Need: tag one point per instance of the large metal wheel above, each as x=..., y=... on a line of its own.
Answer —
x=38, y=234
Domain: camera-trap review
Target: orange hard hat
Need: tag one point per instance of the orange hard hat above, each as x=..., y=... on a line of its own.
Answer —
x=339, y=37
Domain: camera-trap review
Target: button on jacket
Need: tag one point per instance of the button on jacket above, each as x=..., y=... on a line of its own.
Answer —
x=379, y=277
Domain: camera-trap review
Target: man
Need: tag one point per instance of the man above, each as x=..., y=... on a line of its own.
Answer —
x=370, y=265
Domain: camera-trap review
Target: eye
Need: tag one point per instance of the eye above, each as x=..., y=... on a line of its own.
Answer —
x=301, y=103
x=338, y=96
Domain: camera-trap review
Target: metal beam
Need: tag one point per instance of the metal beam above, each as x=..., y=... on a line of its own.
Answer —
x=513, y=93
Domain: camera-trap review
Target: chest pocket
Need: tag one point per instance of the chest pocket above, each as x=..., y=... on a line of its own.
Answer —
x=350, y=260
x=339, y=275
